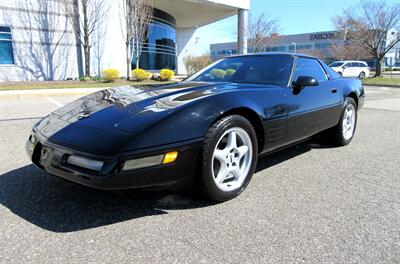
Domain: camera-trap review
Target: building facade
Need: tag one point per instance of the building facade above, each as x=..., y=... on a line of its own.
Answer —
x=37, y=41
x=317, y=43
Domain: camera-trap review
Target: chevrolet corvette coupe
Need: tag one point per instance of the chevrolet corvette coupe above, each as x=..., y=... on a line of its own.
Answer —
x=205, y=132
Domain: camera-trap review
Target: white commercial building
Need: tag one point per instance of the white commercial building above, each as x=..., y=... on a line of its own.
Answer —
x=314, y=43
x=37, y=41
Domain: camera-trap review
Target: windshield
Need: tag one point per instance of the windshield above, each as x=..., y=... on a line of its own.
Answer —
x=273, y=70
x=336, y=64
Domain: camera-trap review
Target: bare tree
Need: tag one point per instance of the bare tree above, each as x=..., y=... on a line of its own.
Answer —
x=262, y=31
x=86, y=16
x=126, y=7
x=98, y=49
x=194, y=64
x=368, y=25
x=135, y=19
x=348, y=51
x=50, y=29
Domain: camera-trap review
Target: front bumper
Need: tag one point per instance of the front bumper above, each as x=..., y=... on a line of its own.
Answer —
x=52, y=158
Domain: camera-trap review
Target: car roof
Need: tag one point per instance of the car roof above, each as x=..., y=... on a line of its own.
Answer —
x=350, y=61
x=273, y=54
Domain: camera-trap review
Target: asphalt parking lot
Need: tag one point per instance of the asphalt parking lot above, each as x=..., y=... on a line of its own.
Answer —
x=309, y=203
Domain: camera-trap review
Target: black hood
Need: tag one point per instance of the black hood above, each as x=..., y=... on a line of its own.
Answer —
x=123, y=110
x=108, y=108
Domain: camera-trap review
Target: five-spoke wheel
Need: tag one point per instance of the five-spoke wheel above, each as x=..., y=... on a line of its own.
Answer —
x=349, y=121
x=343, y=133
x=229, y=157
x=232, y=159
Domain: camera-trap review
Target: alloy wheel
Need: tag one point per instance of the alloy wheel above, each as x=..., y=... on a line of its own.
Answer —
x=349, y=121
x=232, y=158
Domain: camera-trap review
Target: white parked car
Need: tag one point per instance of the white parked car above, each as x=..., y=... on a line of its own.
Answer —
x=358, y=69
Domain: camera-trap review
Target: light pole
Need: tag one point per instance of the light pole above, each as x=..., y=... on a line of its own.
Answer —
x=295, y=47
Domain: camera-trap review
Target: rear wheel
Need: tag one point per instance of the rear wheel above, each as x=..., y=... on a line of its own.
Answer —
x=361, y=75
x=343, y=133
x=229, y=158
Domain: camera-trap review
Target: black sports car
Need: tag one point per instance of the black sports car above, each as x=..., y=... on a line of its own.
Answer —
x=206, y=131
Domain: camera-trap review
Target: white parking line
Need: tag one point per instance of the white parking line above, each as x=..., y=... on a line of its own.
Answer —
x=57, y=103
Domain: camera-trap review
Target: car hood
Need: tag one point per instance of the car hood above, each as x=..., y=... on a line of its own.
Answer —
x=128, y=109
x=108, y=108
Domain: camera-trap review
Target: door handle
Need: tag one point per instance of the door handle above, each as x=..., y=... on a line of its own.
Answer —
x=334, y=90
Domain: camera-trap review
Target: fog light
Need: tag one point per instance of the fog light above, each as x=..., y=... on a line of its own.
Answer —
x=170, y=157
x=85, y=163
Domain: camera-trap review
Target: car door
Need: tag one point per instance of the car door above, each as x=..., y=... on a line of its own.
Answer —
x=351, y=70
x=358, y=68
x=313, y=108
x=346, y=69
x=270, y=76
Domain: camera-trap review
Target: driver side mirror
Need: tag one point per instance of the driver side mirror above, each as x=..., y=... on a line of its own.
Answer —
x=303, y=81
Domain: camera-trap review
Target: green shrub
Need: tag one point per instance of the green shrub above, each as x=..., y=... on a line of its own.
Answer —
x=85, y=78
x=229, y=72
x=97, y=78
x=166, y=74
x=140, y=75
x=110, y=74
x=218, y=74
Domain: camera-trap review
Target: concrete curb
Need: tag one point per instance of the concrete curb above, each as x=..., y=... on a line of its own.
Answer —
x=22, y=94
x=386, y=85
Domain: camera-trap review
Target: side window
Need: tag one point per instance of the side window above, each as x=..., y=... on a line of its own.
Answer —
x=309, y=67
x=6, y=49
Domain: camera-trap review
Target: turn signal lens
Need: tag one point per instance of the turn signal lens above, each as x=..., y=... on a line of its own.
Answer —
x=170, y=157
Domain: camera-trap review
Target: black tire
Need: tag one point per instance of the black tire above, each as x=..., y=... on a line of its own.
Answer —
x=212, y=137
x=335, y=135
x=361, y=75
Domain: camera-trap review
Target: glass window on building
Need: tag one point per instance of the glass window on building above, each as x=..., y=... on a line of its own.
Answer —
x=159, y=50
x=6, y=47
x=323, y=45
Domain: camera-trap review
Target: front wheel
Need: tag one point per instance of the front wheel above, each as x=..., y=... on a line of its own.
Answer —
x=229, y=157
x=343, y=133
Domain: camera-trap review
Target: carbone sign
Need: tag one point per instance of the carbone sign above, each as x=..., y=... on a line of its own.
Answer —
x=322, y=36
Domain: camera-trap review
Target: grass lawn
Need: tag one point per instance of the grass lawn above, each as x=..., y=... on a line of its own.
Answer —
x=382, y=81
x=92, y=84
x=72, y=84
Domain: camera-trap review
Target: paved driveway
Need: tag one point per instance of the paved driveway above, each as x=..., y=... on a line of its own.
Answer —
x=309, y=203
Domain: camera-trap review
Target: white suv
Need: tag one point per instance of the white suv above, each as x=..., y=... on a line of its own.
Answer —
x=358, y=69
